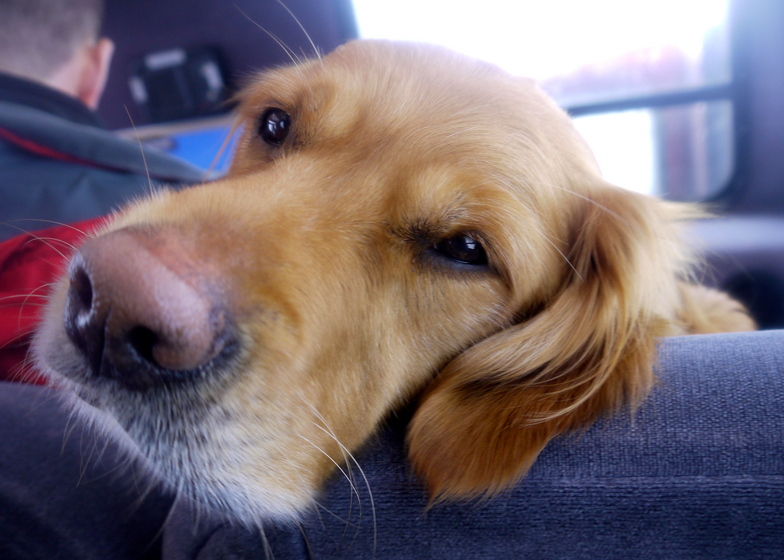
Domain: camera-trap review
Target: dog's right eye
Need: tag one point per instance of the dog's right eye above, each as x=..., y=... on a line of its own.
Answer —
x=274, y=126
x=462, y=249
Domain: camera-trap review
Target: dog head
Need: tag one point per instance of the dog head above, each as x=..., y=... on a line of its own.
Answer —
x=399, y=222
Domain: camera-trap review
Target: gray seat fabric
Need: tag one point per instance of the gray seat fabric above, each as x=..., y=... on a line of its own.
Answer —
x=66, y=493
x=697, y=472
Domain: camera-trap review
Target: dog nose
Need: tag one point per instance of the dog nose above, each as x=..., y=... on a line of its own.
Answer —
x=141, y=309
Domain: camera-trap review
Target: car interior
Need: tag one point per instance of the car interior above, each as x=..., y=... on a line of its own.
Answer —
x=680, y=100
x=700, y=130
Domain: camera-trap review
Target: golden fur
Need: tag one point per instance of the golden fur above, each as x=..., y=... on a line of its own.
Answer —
x=324, y=247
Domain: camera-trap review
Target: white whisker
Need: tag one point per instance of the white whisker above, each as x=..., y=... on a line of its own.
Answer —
x=347, y=477
x=141, y=151
x=580, y=276
x=536, y=228
x=346, y=453
x=316, y=52
x=296, y=60
x=592, y=201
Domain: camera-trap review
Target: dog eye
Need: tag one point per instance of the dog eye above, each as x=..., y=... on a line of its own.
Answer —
x=462, y=248
x=274, y=126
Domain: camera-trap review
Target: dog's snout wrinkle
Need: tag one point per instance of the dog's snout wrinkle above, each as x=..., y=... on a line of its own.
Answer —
x=138, y=307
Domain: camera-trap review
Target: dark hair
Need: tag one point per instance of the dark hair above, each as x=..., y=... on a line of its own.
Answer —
x=39, y=36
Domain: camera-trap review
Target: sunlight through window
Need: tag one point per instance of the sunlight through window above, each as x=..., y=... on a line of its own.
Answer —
x=584, y=53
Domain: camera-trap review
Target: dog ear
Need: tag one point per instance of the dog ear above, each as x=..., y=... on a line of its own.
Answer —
x=483, y=421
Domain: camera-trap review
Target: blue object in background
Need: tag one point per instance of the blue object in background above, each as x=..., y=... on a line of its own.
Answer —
x=202, y=147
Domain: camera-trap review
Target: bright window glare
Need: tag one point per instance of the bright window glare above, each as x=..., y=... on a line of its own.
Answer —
x=598, y=50
x=543, y=38
x=629, y=163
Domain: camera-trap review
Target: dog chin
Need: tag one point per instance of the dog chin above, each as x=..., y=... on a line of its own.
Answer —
x=214, y=473
x=172, y=433
x=186, y=456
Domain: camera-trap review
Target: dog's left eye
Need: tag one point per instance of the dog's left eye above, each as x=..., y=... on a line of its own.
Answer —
x=274, y=126
x=462, y=248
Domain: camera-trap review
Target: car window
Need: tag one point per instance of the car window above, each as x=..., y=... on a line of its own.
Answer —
x=648, y=82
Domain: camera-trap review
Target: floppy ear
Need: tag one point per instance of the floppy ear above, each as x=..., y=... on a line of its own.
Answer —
x=485, y=418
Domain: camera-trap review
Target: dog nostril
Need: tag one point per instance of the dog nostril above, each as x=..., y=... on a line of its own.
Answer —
x=137, y=311
x=143, y=340
x=82, y=290
x=84, y=322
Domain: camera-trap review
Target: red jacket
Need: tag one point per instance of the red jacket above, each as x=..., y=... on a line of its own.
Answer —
x=29, y=264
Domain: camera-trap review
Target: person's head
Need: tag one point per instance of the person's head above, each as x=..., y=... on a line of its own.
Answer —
x=57, y=43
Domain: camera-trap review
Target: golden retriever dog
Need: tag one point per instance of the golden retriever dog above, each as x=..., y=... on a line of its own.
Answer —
x=401, y=223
